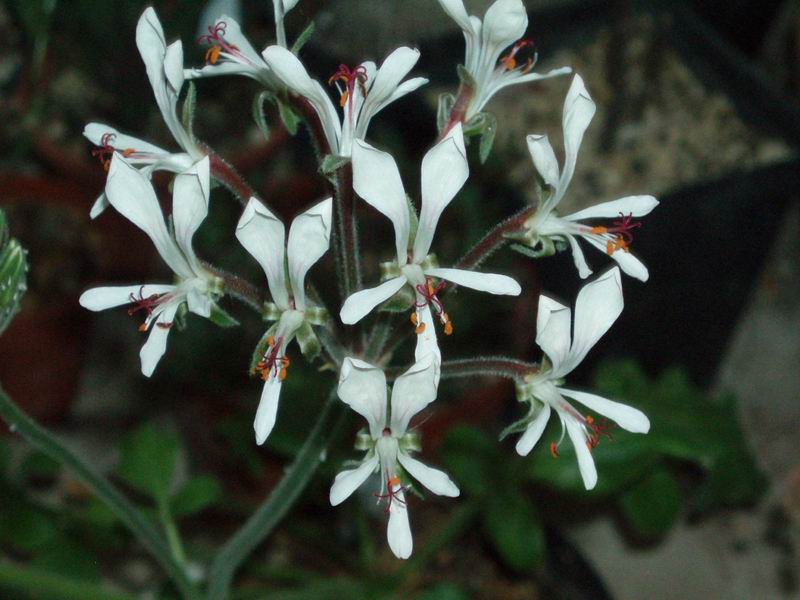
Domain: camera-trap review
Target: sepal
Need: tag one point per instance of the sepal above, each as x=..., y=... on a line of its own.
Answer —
x=308, y=341
x=303, y=38
x=389, y=270
x=270, y=312
x=411, y=442
x=316, y=315
x=189, y=108
x=363, y=440
x=465, y=78
x=289, y=117
x=13, y=271
x=430, y=262
x=258, y=113
x=402, y=301
x=483, y=124
x=446, y=103
x=516, y=427
x=221, y=317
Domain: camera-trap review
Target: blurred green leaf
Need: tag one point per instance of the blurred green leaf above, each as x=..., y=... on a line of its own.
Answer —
x=38, y=464
x=196, y=495
x=652, y=505
x=149, y=455
x=27, y=528
x=514, y=529
x=258, y=113
x=487, y=137
x=445, y=591
x=289, y=117
x=35, y=15
x=220, y=317
x=471, y=458
x=69, y=559
x=13, y=270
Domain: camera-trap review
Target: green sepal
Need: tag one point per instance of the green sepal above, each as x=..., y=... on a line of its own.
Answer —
x=487, y=137
x=364, y=440
x=188, y=109
x=545, y=247
x=258, y=113
x=446, y=103
x=13, y=271
x=411, y=442
x=401, y=302
x=290, y=118
x=413, y=221
x=332, y=163
x=271, y=312
x=221, y=317
x=476, y=125
x=308, y=341
x=261, y=349
x=430, y=262
x=465, y=77
x=179, y=321
x=303, y=38
x=316, y=315
x=389, y=270
x=515, y=427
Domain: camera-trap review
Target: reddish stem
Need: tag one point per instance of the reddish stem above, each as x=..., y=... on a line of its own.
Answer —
x=459, y=110
x=494, y=239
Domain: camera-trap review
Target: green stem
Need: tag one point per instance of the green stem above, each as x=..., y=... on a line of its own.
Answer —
x=275, y=507
x=29, y=582
x=123, y=508
x=171, y=530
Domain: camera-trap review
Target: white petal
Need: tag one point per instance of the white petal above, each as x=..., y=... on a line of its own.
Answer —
x=598, y=305
x=625, y=416
x=173, y=66
x=288, y=68
x=484, y=282
x=457, y=12
x=289, y=5
x=585, y=460
x=309, y=239
x=403, y=89
x=579, y=108
x=578, y=258
x=444, y=171
x=235, y=37
x=363, y=388
x=377, y=180
x=637, y=206
x=360, y=304
x=99, y=206
x=263, y=235
x=131, y=193
x=398, y=531
x=156, y=343
x=427, y=345
x=349, y=481
x=436, y=481
x=553, y=323
x=152, y=45
x=505, y=22
x=199, y=303
x=412, y=392
x=627, y=261
x=544, y=159
x=534, y=431
x=267, y=409
x=101, y=298
x=190, y=196
x=95, y=132
x=392, y=71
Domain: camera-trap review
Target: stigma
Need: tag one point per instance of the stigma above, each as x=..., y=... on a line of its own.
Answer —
x=510, y=63
x=620, y=235
x=271, y=363
x=346, y=80
x=430, y=296
x=215, y=38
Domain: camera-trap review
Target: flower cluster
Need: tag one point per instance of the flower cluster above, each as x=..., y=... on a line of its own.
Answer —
x=413, y=284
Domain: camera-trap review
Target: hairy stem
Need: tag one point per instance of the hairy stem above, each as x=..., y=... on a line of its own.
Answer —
x=497, y=366
x=494, y=239
x=227, y=175
x=346, y=231
x=275, y=507
x=459, y=110
x=125, y=511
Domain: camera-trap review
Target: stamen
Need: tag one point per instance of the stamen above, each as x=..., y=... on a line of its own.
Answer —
x=216, y=39
x=349, y=77
x=392, y=495
x=596, y=430
x=106, y=149
x=431, y=298
x=554, y=449
x=509, y=61
x=271, y=363
x=146, y=304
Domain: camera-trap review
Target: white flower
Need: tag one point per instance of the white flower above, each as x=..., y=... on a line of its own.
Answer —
x=598, y=305
x=132, y=194
x=504, y=24
x=264, y=237
x=377, y=180
x=164, y=66
x=389, y=443
x=545, y=225
x=364, y=91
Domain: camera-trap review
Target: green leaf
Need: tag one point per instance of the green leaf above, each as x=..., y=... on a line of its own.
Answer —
x=35, y=15
x=258, y=113
x=69, y=559
x=149, y=456
x=221, y=317
x=445, y=591
x=189, y=107
x=446, y=103
x=289, y=117
x=652, y=505
x=514, y=529
x=196, y=495
x=13, y=275
x=38, y=464
x=303, y=38
x=27, y=528
x=471, y=458
x=487, y=137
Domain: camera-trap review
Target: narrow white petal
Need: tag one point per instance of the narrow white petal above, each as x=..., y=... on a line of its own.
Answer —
x=579, y=108
x=553, y=323
x=99, y=206
x=427, y=344
x=309, y=239
x=401, y=90
x=263, y=235
x=585, y=460
x=598, y=305
x=444, y=171
x=235, y=37
x=435, y=480
x=483, y=282
x=101, y=298
x=534, y=431
x=386, y=81
x=267, y=409
x=398, y=531
x=637, y=206
x=152, y=46
x=457, y=12
x=173, y=66
x=377, y=180
x=95, y=132
x=359, y=305
x=132, y=194
x=349, y=481
x=363, y=388
x=544, y=159
x=578, y=258
x=412, y=392
x=505, y=22
x=156, y=343
x=627, y=261
x=190, y=196
x=625, y=416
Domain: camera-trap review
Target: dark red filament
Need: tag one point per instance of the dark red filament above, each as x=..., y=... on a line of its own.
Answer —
x=392, y=495
x=431, y=295
x=623, y=227
x=510, y=61
x=350, y=77
x=142, y=303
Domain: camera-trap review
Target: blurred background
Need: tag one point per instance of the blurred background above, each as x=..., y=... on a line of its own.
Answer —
x=698, y=104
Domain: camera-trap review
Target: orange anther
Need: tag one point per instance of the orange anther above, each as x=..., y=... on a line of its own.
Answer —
x=414, y=319
x=599, y=229
x=554, y=449
x=420, y=328
x=271, y=341
x=394, y=481
x=212, y=55
x=448, y=326
x=143, y=327
x=509, y=62
x=283, y=373
x=343, y=98
x=128, y=152
x=589, y=419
